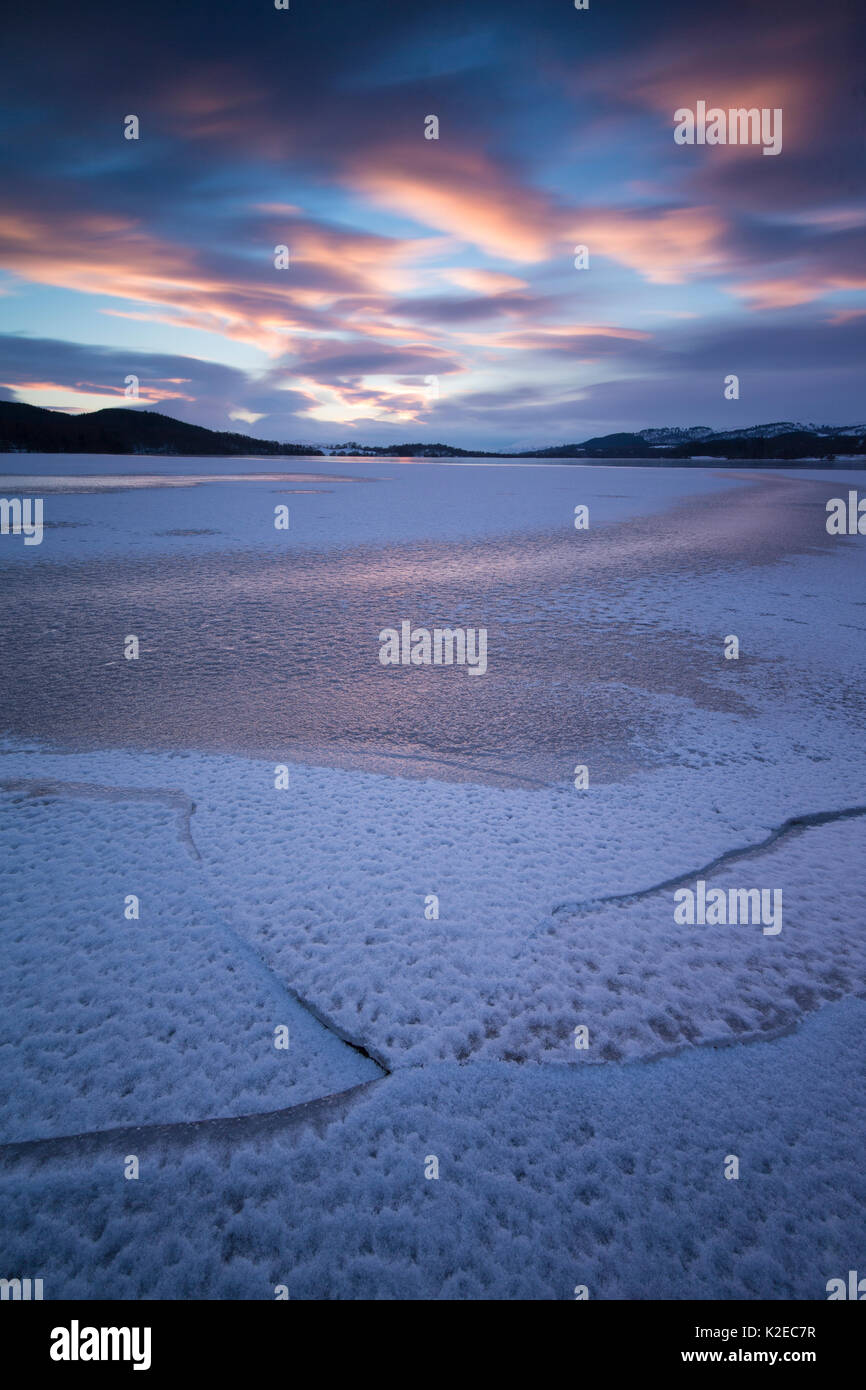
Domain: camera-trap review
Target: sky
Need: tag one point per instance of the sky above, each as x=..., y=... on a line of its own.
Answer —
x=431, y=291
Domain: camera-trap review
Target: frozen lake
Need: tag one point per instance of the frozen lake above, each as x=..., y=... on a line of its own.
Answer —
x=308, y=906
x=265, y=641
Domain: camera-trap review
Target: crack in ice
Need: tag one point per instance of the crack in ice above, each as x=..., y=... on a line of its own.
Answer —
x=794, y=825
x=254, y=1125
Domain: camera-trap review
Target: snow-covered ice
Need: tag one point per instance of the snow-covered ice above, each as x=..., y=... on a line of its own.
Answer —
x=106, y=1020
x=305, y=906
x=611, y=1178
x=327, y=882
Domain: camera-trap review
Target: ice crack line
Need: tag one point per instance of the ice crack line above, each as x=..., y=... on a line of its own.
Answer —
x=249, y=953
x=223, y=1127
x=185, y=806
x=795, y=825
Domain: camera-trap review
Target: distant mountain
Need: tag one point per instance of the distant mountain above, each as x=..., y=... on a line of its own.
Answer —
x=781, y=441
x=793, y=443
x=786, y=427
x=31, y=429
x=668, y=437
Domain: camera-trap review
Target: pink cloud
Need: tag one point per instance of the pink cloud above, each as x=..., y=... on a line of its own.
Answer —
x=789, y=291
x=461, y=193
x=666, y=247
x=484, y=281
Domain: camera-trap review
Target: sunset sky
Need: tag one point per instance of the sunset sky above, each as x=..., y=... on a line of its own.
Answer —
x=413, y=259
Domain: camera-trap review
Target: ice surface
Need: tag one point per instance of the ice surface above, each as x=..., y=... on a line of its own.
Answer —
x=343, y=502
x=327, y=882
x=108, y=1021
x=548, y=1178
x=306, y=905
x=596, y=641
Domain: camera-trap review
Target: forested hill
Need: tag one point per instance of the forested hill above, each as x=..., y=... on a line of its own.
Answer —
x=35, y=430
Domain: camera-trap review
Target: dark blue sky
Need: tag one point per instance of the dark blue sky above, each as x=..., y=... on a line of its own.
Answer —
x=431, y=291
